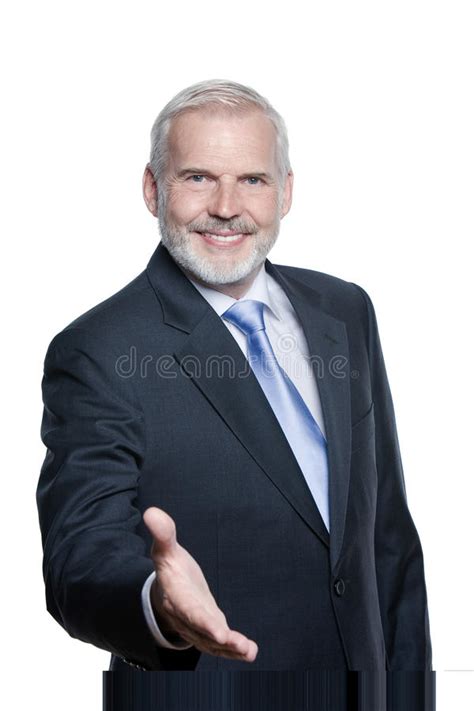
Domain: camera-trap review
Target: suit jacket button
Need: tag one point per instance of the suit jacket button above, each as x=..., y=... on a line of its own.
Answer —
x=339, y=587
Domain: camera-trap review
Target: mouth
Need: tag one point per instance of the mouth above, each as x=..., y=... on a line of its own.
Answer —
x=224, y=239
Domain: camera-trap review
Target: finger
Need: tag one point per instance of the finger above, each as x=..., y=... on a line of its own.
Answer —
x=246, y=653
x=242, y=644
x=215, y=634
x=249, y=656
x=210, y=624
x=162, y=528
x=229, y=643
x=231, y=655
x=227, y=651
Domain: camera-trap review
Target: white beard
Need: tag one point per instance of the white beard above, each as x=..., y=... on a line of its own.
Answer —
x=180, y=245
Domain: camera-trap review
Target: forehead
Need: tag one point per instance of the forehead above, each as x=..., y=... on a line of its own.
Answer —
x=224, y=141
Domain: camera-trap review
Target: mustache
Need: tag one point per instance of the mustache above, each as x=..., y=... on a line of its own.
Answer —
x=216, y=225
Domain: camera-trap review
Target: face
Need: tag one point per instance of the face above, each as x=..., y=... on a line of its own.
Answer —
x=221, y=199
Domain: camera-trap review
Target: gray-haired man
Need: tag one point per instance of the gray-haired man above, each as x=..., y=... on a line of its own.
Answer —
x=211, y=399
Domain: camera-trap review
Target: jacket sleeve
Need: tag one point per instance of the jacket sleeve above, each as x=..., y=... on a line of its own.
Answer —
x=95, y=562
x=398, y=552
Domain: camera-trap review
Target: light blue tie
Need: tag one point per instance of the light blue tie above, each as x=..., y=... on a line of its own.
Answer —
x=299, y=426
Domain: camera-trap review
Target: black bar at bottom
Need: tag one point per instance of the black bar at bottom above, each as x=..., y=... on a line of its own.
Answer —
x=269, y=691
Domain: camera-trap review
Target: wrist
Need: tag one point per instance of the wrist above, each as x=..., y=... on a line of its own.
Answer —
x=162, y=619
x=172, y=639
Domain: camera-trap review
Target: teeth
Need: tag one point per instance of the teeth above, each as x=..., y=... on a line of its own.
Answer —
x=221, y=238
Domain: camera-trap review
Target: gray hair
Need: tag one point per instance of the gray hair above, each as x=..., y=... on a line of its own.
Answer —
x=222, y=94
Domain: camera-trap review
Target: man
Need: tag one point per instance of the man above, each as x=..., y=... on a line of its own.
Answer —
x=223, y=486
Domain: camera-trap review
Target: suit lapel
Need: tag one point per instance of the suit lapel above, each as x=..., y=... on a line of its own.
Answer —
x=213, y=360
x=329, y=352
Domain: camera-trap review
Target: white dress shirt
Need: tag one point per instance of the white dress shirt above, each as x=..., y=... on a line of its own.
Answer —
x=291, y=351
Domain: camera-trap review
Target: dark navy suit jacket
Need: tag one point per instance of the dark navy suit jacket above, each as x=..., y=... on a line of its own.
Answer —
x=149, y=401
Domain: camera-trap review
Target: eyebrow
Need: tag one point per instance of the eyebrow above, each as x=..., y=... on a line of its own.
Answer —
x=200, y=171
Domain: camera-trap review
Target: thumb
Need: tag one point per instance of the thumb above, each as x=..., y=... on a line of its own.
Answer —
x=162, y=528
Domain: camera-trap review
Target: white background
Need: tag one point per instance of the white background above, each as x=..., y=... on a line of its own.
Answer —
x=378, y=99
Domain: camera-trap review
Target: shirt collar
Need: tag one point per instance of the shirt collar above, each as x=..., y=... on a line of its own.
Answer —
x=258, y=291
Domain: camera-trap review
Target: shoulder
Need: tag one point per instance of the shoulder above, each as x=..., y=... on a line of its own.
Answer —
x=121, y=312
x=112, y=321
x=340, y=297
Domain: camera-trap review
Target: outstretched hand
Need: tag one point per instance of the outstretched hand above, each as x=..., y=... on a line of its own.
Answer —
x=181, y=598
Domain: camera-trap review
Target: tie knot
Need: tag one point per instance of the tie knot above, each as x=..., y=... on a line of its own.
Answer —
x=246, y=315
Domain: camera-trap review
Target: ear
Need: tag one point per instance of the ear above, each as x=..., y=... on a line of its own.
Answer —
x=150, y=192
x=287, y=195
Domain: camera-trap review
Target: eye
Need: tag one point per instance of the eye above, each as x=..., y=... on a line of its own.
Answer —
x=196, y=178
x=253, y=180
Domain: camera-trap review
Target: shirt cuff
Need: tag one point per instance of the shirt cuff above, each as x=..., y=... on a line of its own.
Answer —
x=151, y=620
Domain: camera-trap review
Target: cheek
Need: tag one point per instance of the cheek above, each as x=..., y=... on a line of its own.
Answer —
x=185, y=207
x=264, y=210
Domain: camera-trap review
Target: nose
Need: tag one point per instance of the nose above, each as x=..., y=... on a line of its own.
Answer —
x=225, y=201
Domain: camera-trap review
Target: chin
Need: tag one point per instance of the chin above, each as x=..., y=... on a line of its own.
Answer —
x=216, y=274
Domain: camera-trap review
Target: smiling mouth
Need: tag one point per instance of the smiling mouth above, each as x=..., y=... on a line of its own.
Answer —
x=224, y=237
